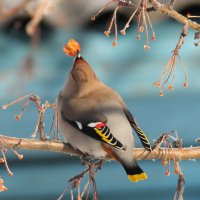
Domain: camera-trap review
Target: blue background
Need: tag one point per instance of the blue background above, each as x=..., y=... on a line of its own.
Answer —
x=126, y=68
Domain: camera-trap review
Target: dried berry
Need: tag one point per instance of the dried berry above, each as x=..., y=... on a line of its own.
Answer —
x=72, y=48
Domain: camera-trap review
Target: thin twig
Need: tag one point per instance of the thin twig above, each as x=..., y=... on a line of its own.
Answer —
x=171, y=65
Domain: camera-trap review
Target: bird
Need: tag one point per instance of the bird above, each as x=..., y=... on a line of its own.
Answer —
x=94, y=119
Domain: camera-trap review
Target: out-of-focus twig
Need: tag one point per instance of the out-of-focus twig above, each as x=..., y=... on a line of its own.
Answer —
x=13, y=11
x=38, y=14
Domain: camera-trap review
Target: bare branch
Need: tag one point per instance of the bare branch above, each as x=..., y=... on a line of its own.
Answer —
x=138, y=153
x=164, y=9
x=13, y=11
x=33, y=24
x=171, y=65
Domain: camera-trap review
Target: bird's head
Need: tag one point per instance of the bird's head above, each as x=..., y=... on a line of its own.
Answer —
x=82, y=79
x=81, y=71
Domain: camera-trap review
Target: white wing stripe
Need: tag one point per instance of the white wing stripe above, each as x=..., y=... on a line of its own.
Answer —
x=79, y=125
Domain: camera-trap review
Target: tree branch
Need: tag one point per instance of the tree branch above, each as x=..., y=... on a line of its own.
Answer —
x=165, y=9
x=138, y=153
x=13, y=11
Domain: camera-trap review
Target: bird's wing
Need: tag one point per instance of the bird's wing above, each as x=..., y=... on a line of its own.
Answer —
x=138, y=130
x=94, y=126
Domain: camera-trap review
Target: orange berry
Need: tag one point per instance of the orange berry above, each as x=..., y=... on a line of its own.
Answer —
x=137, y=37
x=185, y=85
x=167, y=173
x=123, y=32
x=141, y=29
x=17, y=117
x=146, y=47
x=164, y=162
x=171, y=87
x=156, y=84
x=10, y=173
x=176, y=171
x=72, y=48
x=3, y=188
x=161, y=94
x=114, y=44
x=107, y=33
x=153, y=37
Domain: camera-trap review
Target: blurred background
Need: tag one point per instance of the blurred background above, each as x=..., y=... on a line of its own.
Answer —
x=32, y=61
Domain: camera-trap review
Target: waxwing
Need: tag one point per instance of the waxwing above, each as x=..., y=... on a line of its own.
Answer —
x=94, y=119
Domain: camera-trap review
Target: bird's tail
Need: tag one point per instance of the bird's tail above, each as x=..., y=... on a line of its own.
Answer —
x=135, y=173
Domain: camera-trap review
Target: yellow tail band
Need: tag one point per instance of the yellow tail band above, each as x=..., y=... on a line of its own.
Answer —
x=137, y=177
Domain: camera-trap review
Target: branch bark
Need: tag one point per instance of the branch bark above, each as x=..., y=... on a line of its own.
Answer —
x=165, y=9
x=60, y=147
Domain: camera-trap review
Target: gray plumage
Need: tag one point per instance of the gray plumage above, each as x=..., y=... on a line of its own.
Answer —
x=85, y=99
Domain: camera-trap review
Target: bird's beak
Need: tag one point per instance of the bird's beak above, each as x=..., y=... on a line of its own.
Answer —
x=80, y=62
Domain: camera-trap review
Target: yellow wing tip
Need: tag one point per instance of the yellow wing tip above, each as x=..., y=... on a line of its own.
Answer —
x=137, y=177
